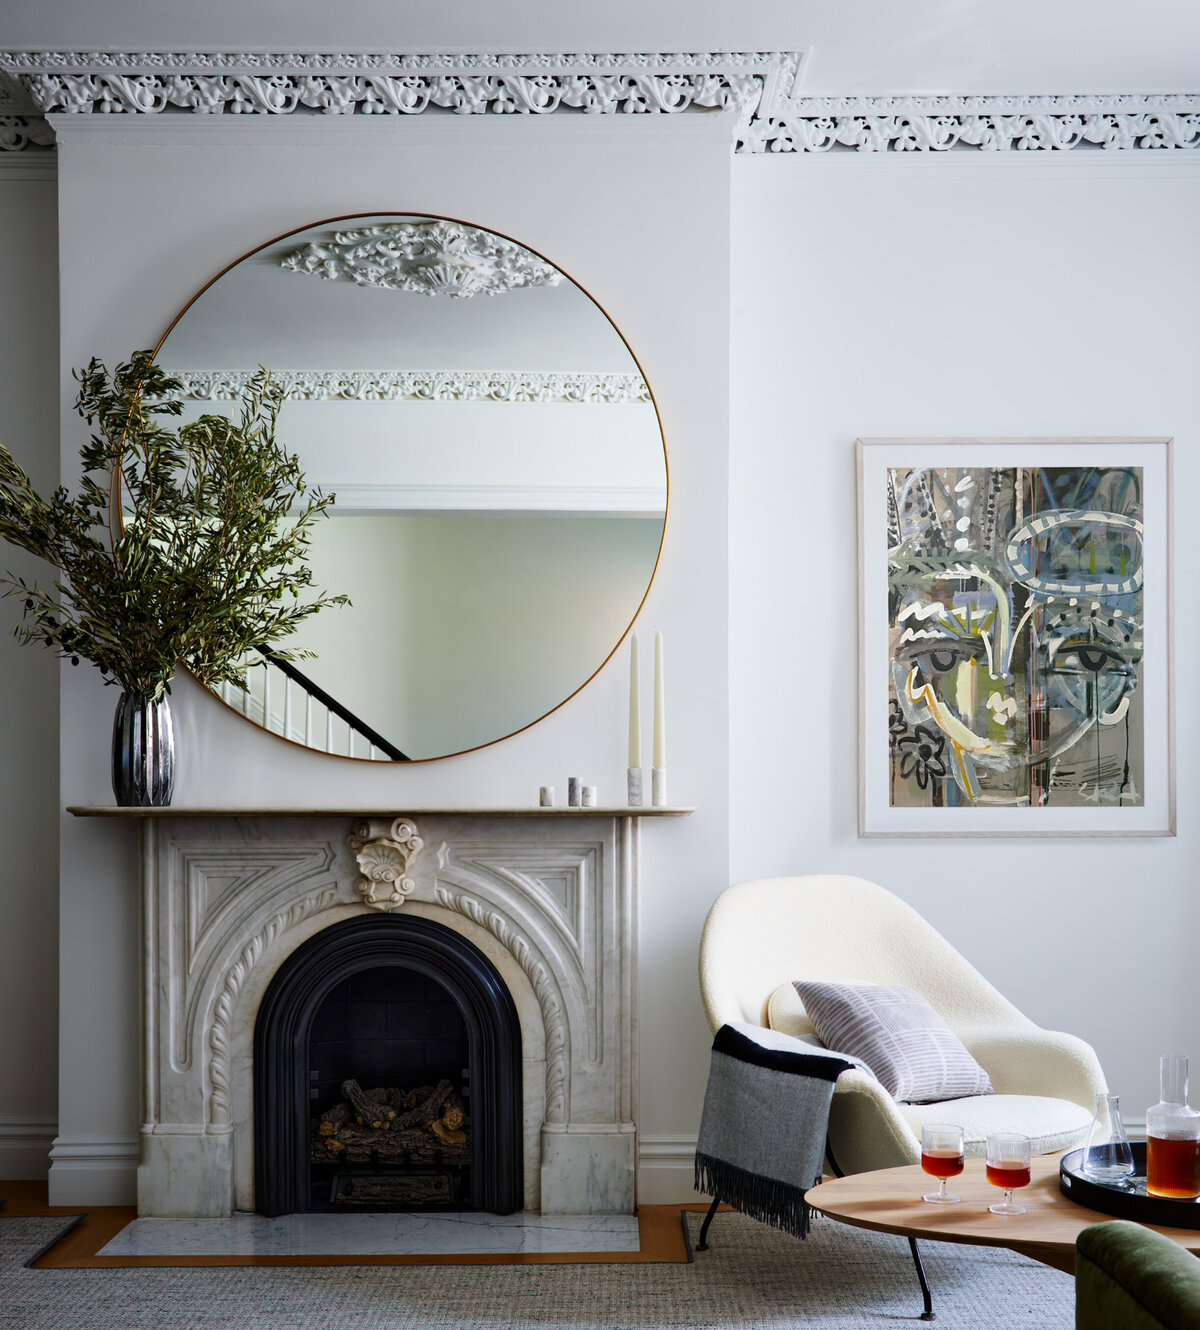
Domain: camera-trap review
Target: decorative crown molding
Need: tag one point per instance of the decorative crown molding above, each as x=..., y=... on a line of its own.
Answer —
x=21, y=125
x=423, y=386
x=941, y=123
x=343, y=83
x=762, y=86
x=19, y=131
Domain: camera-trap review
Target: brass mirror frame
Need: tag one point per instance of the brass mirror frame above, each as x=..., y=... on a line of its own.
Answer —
x=359, y=216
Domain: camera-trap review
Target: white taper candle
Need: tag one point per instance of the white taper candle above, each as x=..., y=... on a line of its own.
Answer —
x=660, y=705
x=635, y=707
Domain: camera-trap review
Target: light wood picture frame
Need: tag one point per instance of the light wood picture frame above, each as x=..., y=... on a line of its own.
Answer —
x=1015, y=638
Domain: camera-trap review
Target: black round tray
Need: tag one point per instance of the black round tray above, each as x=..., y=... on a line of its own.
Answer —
x=1129, y=1202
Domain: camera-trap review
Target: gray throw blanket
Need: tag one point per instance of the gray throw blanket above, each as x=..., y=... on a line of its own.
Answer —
x=766, y=1112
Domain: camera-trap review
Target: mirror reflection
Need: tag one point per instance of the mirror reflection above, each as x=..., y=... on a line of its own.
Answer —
x=498, y=465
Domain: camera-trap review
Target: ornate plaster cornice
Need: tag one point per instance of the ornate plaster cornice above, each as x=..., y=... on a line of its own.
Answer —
x=344, y=83
x=761, y=86
x=22, y=131
x=423, y=386
x=940, y=123
x=21, y=125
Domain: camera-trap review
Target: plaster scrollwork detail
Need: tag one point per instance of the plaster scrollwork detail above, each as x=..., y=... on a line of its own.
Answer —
x=424, y=386
x=19, y=131
x=383, y=860
x=553, y=1015
x=21, y=124
x=760, y=86
x=266, y=83
x=220, y=1098
x=435, y=257
x=996, y=124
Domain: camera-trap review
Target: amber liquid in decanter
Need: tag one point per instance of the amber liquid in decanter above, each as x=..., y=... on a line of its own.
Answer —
x=1173, y=1136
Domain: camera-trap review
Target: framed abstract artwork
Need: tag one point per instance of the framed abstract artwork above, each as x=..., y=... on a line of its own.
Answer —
x=1015, y=637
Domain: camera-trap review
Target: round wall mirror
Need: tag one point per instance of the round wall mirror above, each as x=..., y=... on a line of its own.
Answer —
x=498, y=465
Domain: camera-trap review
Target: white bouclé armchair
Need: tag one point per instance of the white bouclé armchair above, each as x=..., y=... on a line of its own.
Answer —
x=760, y=936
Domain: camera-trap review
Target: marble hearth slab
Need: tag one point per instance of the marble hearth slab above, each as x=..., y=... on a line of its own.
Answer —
x=376, y=1235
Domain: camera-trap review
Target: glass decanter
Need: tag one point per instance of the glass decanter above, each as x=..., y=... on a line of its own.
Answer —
x=1173, y=1136
x=1107, y=1157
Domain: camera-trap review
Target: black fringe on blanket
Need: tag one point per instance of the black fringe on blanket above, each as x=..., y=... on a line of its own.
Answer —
x=766, y=1199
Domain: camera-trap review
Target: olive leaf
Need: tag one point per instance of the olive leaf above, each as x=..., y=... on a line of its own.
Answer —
x=184, y=545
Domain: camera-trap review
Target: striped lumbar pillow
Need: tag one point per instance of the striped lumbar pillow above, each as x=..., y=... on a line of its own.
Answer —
x=913, y=1052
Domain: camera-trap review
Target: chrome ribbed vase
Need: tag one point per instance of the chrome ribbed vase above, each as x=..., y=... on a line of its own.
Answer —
x=143, y=752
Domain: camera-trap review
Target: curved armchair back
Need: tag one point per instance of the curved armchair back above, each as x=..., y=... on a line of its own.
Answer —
x=761, y=934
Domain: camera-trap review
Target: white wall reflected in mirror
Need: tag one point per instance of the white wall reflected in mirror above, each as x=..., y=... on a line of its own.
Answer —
x=501, y=491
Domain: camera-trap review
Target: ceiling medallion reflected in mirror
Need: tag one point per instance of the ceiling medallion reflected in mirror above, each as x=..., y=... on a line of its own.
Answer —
x=498, y=465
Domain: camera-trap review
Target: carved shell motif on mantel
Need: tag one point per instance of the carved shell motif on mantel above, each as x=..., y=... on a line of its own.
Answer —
x=384, y=852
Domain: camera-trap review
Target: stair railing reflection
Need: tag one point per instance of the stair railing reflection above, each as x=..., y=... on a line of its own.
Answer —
x=284, y=700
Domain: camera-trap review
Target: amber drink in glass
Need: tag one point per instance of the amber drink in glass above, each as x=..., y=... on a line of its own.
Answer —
x=942, y=1158
x=1008, y=1166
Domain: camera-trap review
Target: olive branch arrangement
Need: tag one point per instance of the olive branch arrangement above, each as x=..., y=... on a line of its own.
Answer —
x=184, y=545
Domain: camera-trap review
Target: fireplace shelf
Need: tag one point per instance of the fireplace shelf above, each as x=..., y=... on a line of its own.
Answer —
x=174, y=810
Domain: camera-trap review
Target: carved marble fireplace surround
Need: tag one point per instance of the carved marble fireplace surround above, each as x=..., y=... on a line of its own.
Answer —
x=549, y=897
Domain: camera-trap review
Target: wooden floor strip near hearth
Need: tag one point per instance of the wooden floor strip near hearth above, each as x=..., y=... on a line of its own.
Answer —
x=660, y=1234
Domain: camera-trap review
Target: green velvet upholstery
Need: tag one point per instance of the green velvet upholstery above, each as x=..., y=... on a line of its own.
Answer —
x=1130, y=1278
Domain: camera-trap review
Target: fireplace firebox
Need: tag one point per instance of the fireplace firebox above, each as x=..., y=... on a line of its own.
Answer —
x=387, y=1074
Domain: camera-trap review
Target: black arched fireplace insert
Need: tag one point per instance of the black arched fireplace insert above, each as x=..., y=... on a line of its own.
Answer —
x=387, y=1075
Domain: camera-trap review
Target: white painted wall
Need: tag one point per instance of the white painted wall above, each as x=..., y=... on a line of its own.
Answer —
x=464, y=628
x=563, y=185
x=957, y=296
x=28, y=691
x=367, y=453
x=873, y=296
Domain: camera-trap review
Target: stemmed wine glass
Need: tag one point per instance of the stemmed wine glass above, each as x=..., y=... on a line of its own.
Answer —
x=1008, y=1167
x=942, y=1157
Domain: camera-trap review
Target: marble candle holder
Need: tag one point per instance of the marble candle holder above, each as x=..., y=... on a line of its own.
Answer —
x=633, y=778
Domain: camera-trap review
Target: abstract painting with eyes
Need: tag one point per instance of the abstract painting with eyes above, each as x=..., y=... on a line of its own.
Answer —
x=1015, y=639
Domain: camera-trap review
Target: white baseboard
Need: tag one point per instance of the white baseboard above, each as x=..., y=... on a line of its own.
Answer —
x=94, y=1170
x=666, y=1166
x=98, y=1170
x=25, y=1148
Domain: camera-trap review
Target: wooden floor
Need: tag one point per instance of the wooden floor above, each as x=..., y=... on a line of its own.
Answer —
x=660, y=1226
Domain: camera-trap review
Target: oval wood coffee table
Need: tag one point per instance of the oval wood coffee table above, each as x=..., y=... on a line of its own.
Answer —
x=889, y=1201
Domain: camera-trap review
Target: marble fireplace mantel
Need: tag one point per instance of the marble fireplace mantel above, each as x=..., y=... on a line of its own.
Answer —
x=228, y=894
x=622, y=810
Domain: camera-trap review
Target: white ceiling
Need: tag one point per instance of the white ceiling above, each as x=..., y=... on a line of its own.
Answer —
x=856, y=46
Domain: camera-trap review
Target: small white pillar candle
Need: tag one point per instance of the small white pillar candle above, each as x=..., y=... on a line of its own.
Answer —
x=660, y=705
x=635, y=706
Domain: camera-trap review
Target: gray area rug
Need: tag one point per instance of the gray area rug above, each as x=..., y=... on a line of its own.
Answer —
x=751, y=1277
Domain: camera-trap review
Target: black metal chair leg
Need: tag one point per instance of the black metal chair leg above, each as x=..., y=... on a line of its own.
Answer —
x=833, y=1163
x=928, y=1314
x=702, y=1244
